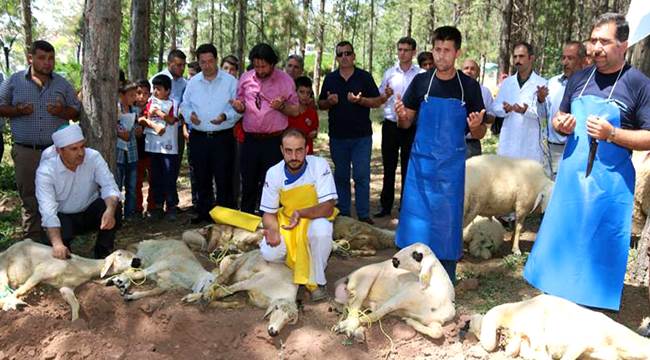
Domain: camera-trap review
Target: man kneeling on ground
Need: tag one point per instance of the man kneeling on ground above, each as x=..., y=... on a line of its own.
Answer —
x=76, y=193
x=298, y=202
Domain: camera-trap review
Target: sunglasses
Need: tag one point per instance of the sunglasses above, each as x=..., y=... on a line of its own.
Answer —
x=344, y=53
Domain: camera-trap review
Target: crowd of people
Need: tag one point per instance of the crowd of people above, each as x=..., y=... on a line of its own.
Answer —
x=250, y=147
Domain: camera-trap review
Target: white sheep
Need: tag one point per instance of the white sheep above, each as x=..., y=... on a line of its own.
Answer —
x=641, y=207
x=496, y=186
x=484, y=236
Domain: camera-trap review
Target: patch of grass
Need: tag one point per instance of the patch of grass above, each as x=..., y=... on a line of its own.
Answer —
x=7, y=177
x=514, y=262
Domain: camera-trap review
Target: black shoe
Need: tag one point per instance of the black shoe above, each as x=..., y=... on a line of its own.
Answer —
x=382, y=214
x=367, y=221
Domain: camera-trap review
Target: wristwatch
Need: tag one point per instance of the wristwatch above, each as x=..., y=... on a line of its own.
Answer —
x=611, y=136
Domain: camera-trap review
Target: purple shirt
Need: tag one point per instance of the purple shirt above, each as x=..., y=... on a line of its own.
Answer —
x=257, y=94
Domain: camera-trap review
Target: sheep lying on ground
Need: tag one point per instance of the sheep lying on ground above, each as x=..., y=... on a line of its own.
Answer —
x=412, y=285
x=360, y=238
x=27, y=264
x=170, y=263
x=547, y=327
x=269, y=285
x=496, y=186
x=484, y=236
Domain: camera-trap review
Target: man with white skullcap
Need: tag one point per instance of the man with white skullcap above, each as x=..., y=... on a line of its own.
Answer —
x=76, y=193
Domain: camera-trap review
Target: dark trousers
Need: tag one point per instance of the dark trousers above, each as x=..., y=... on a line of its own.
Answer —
x=473, y=148
x=164, y=173
x=88, y=221
x=213, y=160
x=395, y=143
x=257, y=156
x=450, y=268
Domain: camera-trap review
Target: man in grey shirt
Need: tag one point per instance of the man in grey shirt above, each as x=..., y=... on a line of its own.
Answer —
x=37, y=102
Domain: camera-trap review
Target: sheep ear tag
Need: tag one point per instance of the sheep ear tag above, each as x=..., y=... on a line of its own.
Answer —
x=425, y=271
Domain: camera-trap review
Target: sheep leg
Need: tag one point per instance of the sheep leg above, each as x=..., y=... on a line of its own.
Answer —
x=359, y=285
x=513, y=347
x=69, y=296
x=31, y=282
x=254, y=282
x=140, y=294
x=519, y=226
x=434, y=330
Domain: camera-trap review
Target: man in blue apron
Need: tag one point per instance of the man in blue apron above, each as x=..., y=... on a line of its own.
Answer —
x=581, y=249
x=448, y=105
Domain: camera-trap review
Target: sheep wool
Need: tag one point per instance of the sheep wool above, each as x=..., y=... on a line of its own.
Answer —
x=485, y=236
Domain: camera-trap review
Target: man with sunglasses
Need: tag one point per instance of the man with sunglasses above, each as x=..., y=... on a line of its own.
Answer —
x=266, y=97
x=348, y=93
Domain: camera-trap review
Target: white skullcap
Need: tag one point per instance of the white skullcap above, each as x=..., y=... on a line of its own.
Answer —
x=67, y=135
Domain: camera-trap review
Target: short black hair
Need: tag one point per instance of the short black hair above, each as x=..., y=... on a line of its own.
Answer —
x=409, y=41
x=263, y=51
x=293, y=132
x=303, y=81
x=622, y=27
x=342, y=44
x=194, y=65
x=206, y=49
x=582, y=50
x=527, y=45
x=298, y=58
x=127, y=86
x=41, y=45
x=144, y=83
x=424, y=56
x=445, y=33
x=162, y=80
x=176, y=53
x=232, y=60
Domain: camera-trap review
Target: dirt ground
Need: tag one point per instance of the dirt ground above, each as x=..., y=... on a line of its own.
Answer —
x=164, y=328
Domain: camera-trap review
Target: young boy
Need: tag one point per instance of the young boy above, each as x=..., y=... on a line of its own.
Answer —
x=127, y=153
x=144, y=162
x=307, y=120
x=161, y=142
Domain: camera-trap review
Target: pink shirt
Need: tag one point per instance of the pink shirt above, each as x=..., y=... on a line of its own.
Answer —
x=257, y=94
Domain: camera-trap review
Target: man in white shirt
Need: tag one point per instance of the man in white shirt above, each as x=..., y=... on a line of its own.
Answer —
x=573, y=59
x=471, y=69
x=517, y=102
x=206, y=106
x=396, y=142
x=298, y=200
x=76, y=193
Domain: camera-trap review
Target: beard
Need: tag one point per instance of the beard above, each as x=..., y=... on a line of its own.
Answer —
x=295, y=165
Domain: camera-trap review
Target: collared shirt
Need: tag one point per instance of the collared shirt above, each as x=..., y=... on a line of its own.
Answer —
x=317, y=172
x=36, y=128
x=488, y=99
x=127, y=151
x=61, y=190
x=399, y=80
x=257, y=95
x=178, y=87
x=348, y=120
x=556, y=86
x=209, y=99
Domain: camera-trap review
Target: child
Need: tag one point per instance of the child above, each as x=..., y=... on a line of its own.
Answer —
x=144, y=162
x=307, y=120
x=127, y=153
x=161, y=142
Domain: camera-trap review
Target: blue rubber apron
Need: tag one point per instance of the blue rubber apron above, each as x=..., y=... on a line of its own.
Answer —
x=581, y=249
x=432, y=204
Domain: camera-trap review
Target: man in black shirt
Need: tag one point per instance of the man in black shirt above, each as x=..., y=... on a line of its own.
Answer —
x=448, y=104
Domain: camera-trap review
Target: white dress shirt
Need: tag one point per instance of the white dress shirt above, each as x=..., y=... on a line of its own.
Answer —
x=399, y=81
x=556, y=86
x=520, y=135
x=209, y=99
x=488, y=99
x=58, y=189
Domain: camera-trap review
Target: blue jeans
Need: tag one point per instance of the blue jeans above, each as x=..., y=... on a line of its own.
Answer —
x=126, y=177
x=355, y=152
x=164, y=173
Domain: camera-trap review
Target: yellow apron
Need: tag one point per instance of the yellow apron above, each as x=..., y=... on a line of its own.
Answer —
x=298, y=256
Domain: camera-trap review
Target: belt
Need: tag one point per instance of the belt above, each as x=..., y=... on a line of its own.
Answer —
x=33, y=146
x=210, y=133
x=265, y=135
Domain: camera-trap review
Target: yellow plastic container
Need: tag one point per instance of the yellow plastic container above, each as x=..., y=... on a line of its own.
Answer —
x=242, y=220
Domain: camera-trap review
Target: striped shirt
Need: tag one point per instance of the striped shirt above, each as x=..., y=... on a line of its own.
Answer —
x=37, y=127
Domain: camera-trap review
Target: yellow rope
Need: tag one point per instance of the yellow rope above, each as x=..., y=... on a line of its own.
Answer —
x=213, y=289
x=222, y=253
x=343, y=244
x=129, y=274
x=364, y=315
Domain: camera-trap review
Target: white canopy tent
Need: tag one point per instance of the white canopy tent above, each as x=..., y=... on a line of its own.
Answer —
x=638, y=17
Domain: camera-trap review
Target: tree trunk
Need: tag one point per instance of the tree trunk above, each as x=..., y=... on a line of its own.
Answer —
x=161, y=42
x=639, y=270
x=504, y=40
x=241, y=35
x=234, y=27
x=260, y=33
x=432, y=21
x=27, y=24
x=409, y=23
x=569, y=28
x=195, y=24
x=212, y=22
x=100, y=80
x=372, y=35
x=641, y=56
x=320, y=35
x=139, y=39
x=354, y=21
x=306, y=7
x=173, y=5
